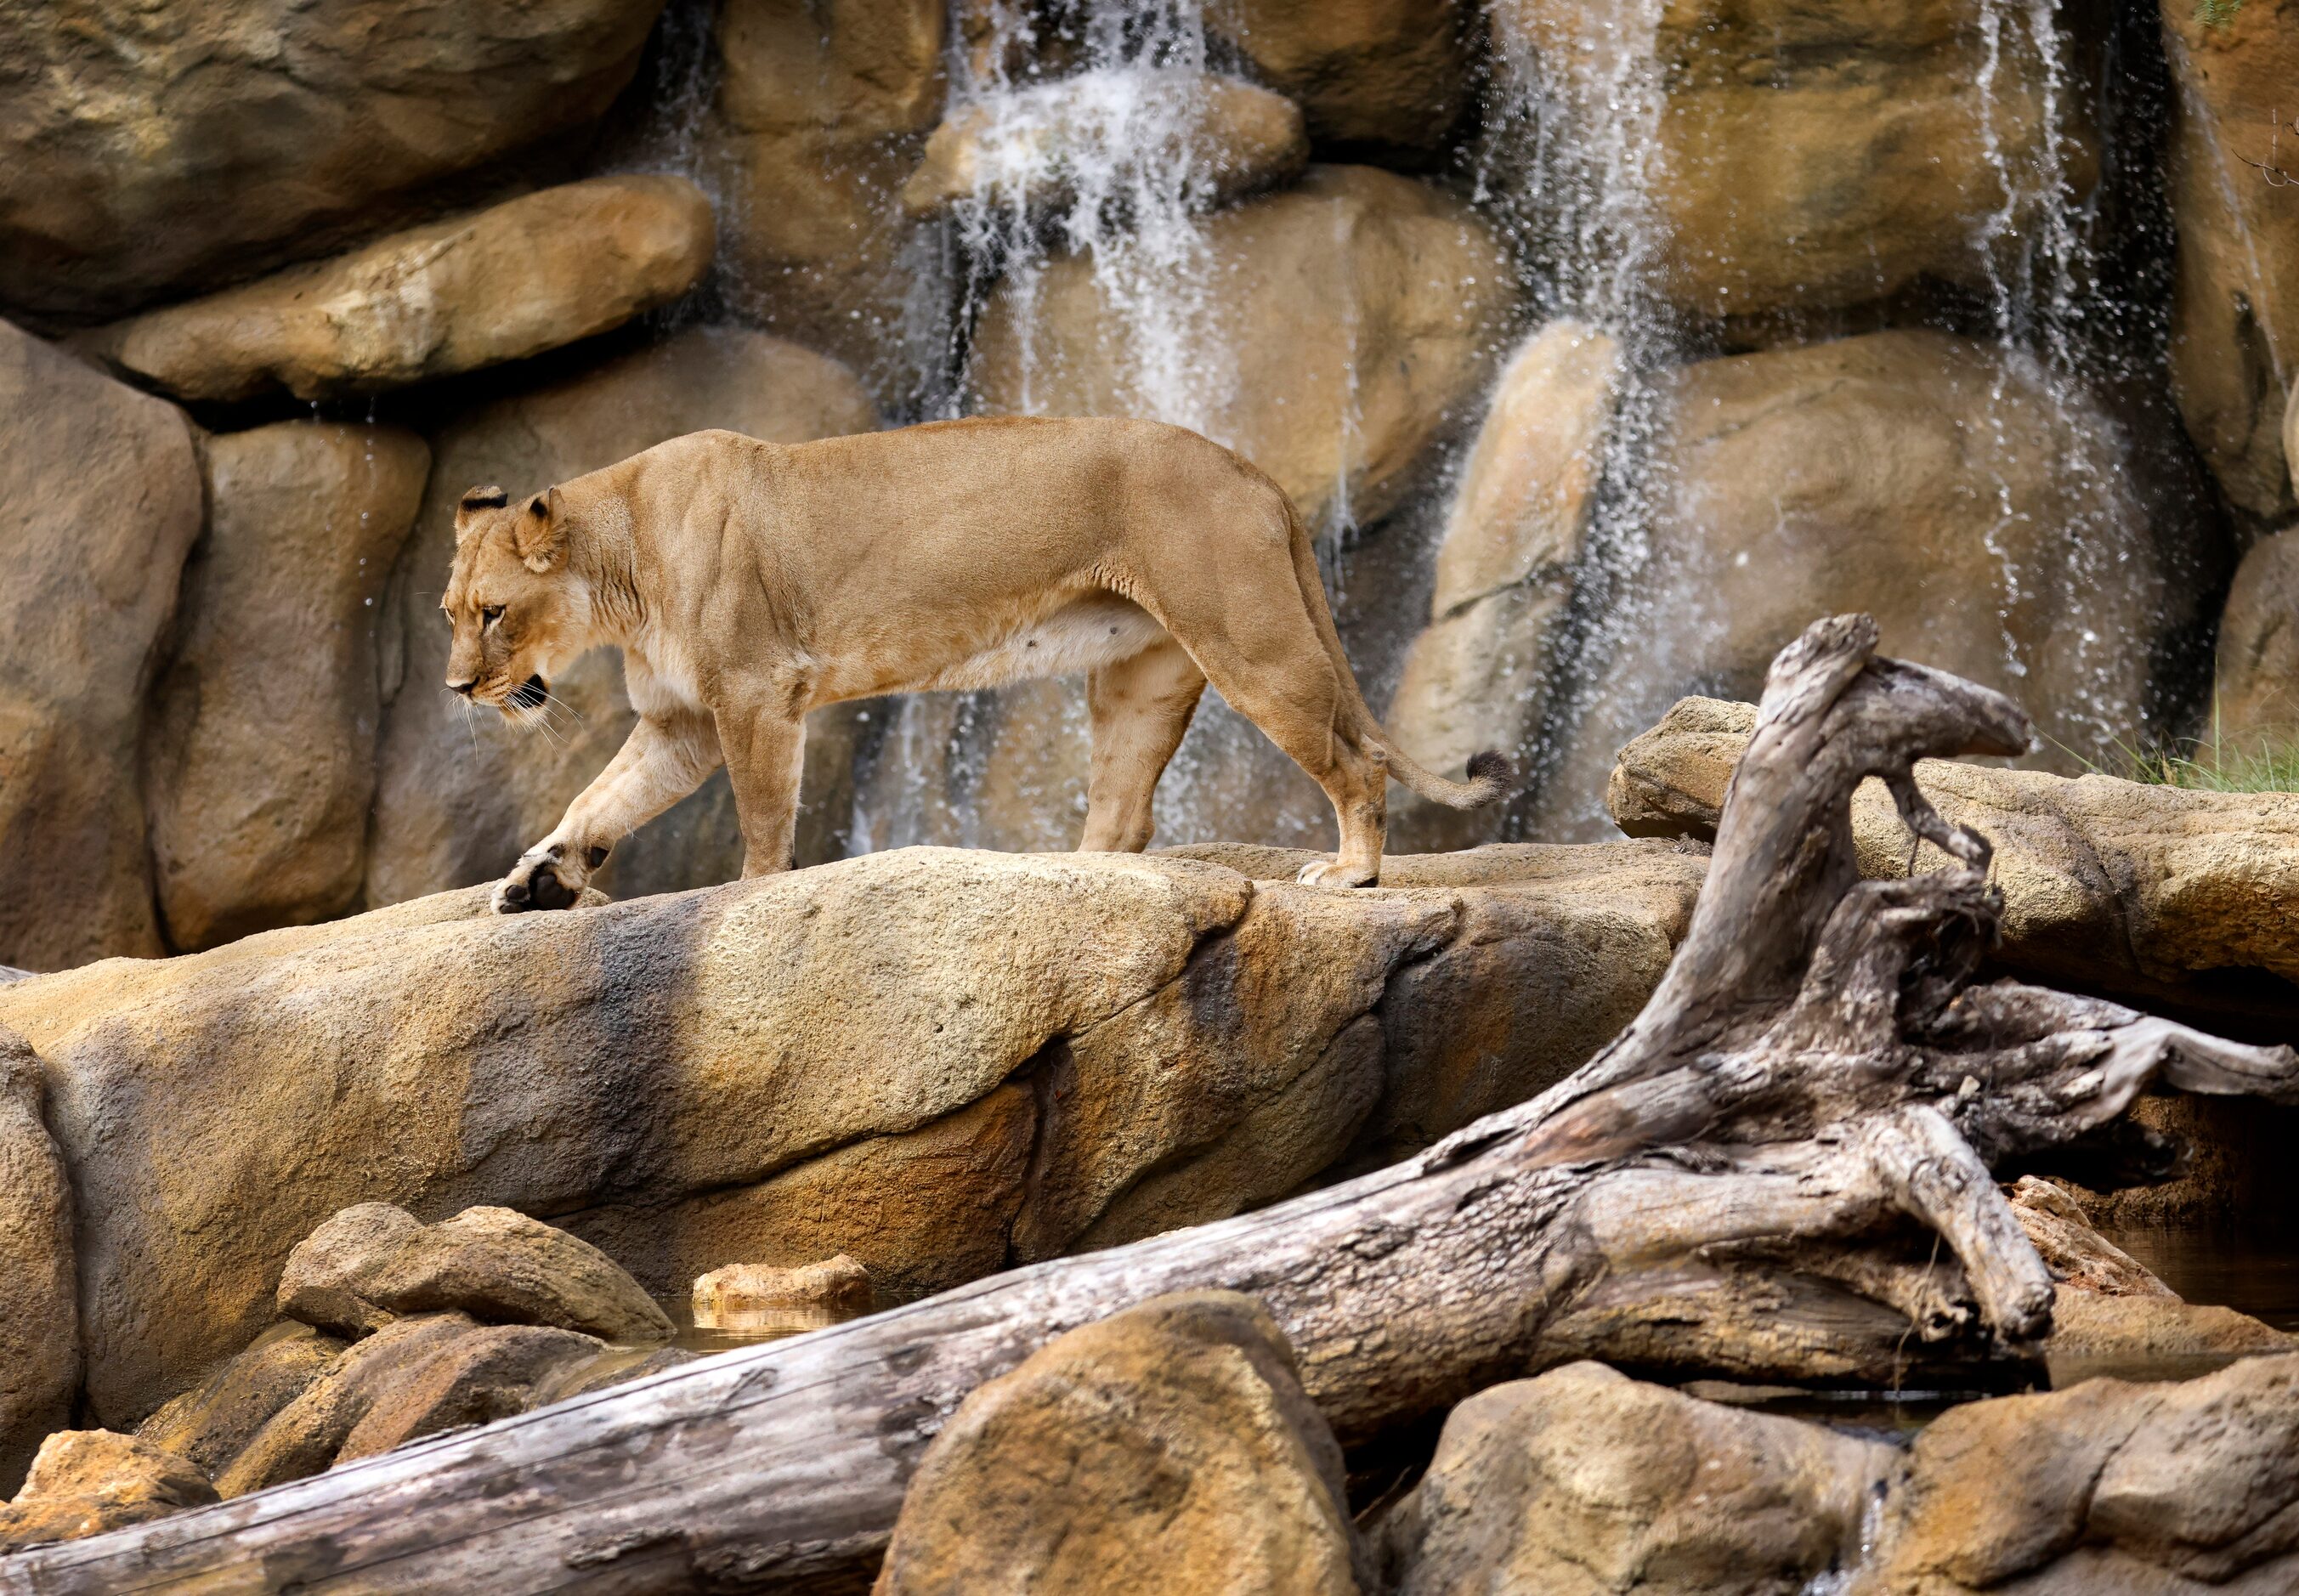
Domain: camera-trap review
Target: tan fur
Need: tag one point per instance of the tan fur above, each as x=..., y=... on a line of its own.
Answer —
x=747, y=583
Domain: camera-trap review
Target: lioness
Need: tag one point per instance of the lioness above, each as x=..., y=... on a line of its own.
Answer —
x=747, y=583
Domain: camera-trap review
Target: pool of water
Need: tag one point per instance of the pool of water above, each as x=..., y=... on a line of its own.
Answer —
x=748, y=1327
x=2252, y=1273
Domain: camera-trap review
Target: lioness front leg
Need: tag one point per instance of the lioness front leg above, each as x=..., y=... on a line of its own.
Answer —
x=765, y=754
x=665, y=758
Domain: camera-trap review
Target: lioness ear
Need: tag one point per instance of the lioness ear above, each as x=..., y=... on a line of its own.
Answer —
x=476, y=498
x=539, y=537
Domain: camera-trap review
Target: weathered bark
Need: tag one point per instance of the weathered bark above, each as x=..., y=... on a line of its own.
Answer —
x=1780, y=1170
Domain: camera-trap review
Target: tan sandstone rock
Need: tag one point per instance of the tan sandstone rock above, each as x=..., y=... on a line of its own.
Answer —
x=1584, y=1483
x=214, y=1421
x=99, y=502
x=520, y=278
x=1357, y=309
x=159, y=146
x=490, y=1373
x=823, y=108
x=2106, y=1487
x=1167, y=1448
x=2256, y=704
x=1384, y=73
x=39, y=1315
x=259, y=760
x=1807, y=155
x=498, y=1266
x=329, y=1279
x=304, y=1437
x=460, y=796
x=373, y=1263
x=839, y=1282
x=1021, y=149
x=2234, y=307
x=1481, y=675
x=85, y=1482
x=1929, y=480
x=638, y=1071
x=2155, y=893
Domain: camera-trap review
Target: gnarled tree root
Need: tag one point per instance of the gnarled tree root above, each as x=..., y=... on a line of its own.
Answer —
x=1785, y=1168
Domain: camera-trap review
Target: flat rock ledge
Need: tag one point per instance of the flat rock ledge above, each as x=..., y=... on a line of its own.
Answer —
x=940, y=1062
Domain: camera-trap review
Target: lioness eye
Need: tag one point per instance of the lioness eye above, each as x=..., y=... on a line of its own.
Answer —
x=491, y=614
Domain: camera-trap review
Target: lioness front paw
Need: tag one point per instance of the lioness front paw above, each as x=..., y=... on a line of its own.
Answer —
x=1332, y=872
x=544, y=877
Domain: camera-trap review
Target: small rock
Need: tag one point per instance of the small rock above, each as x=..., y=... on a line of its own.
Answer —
x=213, y=1422
x=373, y=1262
x=86, y=1482
x=2078, y=1257
x=495, y=1263
x=839, y=1281
x=1027, y=148
x=609, y=1365
x=498, y=285
x=1169, y=1447
x=1583, y=1480
x=475, y=1379
x=304, y=1437
x=2149, y=1337
x=327, y=1276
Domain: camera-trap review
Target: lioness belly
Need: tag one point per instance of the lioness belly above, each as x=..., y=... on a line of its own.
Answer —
x=1082, y=636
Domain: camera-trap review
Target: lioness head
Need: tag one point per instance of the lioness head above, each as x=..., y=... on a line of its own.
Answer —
x=518, y=613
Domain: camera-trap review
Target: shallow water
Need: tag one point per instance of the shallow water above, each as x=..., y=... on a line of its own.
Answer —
x=2228, y=1268
x=748, y=1327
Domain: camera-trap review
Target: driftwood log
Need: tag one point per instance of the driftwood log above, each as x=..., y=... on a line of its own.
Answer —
x=1784, y=1169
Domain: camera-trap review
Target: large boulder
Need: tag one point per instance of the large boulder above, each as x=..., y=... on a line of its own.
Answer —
x=85, y=1482
x=39, y=1311
x=1791, y=155
x=2256, y=706
x=1167, y=1448
x=99, y=502
x=1355, y=312
x=1585, y=1483
x=260, y=754
x=1480, y=675
x=497, y=285
x=2155, y=893
x=460, y=796
x=2234, y=304
x=175, y=146
x=2105, y=1487
x=822, y=110
x=1976, y=509
x=1388, y=75
x=1083, y=1047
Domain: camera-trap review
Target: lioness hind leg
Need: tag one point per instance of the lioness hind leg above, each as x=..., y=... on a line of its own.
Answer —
x=1141, y=708
x=1296, y=700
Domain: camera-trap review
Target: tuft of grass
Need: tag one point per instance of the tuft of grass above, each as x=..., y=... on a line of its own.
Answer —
x=2217, y=14
x=2217, y=765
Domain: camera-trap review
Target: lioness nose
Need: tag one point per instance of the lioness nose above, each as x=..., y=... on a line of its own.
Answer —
x=463, y=687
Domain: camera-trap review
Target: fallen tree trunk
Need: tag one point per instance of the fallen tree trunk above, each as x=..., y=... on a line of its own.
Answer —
x=1783, y=1170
